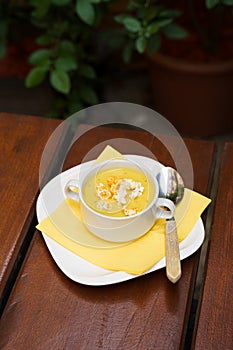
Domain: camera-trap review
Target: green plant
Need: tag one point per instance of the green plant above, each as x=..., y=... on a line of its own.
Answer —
x=146, y=22
x=210, y=30
x=66, y=32
x=143, y=25
x=65, y=53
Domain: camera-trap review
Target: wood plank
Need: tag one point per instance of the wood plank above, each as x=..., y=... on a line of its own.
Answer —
x=123, y=140
x=22, y=140
x=200, y=153
x=215, y=324
x=48, y=310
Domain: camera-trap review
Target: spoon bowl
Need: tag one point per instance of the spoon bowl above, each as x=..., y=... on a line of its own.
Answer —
x=171, y=184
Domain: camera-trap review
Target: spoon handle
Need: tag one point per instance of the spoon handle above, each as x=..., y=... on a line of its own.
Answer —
x=173, y=266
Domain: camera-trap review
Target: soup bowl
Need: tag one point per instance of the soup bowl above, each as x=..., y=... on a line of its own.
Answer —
x=119, y=222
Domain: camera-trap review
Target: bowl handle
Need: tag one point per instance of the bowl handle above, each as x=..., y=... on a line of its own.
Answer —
x=168, y=208
x=72, y=189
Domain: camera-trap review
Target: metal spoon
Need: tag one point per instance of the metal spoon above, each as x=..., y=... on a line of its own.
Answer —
x=171, y=186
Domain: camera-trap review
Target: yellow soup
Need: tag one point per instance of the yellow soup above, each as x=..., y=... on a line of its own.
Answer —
x=118, y=192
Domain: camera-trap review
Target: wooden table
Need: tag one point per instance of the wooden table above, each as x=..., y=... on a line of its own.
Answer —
x=43, y=309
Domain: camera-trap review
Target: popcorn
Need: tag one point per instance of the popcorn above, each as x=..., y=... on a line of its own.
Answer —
x=99, y=186
x=121, y=191
x=129, y=212
x=102, y=191
x=111, y=180
x=104, y=205
x=137, y=190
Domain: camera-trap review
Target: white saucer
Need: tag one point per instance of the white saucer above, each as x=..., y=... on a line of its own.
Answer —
x=81, y=270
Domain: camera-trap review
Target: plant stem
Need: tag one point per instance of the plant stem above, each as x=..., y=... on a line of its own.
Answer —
x=218, y=26
x=199, y=28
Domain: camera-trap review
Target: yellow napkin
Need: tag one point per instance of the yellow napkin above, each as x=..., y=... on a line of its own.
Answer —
x=137, y=256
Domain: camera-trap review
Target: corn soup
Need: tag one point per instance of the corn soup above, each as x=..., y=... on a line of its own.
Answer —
x=118, y=192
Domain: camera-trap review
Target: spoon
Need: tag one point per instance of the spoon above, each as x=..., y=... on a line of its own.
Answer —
x=171, y=186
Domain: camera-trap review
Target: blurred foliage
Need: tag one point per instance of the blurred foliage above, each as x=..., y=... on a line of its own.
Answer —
x=66, y=32
x=142, y=26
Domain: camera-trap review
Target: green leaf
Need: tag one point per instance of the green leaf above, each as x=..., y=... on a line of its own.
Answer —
x=87, y=94
x=85, y=10
x=59, y=106
x=60, y=2
x=45, y=39
x=3, y=36
x=60, y=81
x=131, y=6
x=174, y=31
x=35, y=77
x=228, y=2
x=66, y=63
x=41, y=8
x=140, y=44
x=127, y=53
x=66, y=48
x=114, y=40
x=38, y=57
x=169, y=13
x=60, y=27
x=87, y=71
x=132, y=24
x=3, y=28
x=154, y=44
x=75, y=105
x=211, y=3
x=150, y=13
x=120, y=18
x=163, y=22
x=2, y=49
x=151, y=29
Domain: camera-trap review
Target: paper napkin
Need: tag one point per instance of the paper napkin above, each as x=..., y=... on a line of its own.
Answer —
x=135, y=257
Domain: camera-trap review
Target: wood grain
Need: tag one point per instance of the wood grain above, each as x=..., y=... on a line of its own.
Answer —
x=215, y=325
x=123, y=140
x=22, y=139
x=48, y=311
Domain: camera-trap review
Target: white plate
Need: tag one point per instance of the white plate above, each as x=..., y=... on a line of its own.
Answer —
x=80, y=270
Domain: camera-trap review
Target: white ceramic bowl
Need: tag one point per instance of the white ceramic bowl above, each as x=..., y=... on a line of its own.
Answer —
x=123, y=228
